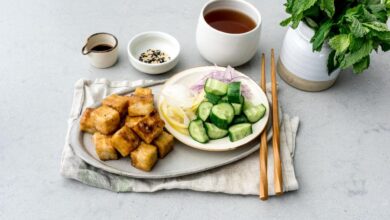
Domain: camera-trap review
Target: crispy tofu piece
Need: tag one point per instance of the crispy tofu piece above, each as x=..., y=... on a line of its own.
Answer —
x=164, y=144
x=149, y=127
x=87, y=123
x=144, y=157
x=117, y=102
x=132, y=121
x=125, y=141
x=140, y=105
x=106, y=119
x=139, y=91
x=103, y=147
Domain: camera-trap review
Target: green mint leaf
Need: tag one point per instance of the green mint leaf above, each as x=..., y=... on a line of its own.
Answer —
x=367, y=16
x=353, y=57
x=340, y=42
x=357, y=29
x=382, y=35
x=376, y=7
x=311, y=23
x=328, y=7
x=385, y=46
x=321, y=34
x=355, y=11
x=387, y=3
x=332, y=63
x=377, y=26
x=285, y=22
x=355, y=43
x=299, y=6
x=361, y=65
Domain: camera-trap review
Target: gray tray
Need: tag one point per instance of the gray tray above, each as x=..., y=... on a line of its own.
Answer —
x=183, y=160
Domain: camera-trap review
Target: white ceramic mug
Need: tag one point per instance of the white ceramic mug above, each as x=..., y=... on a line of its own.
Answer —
x=223, y=48
x=101, y=58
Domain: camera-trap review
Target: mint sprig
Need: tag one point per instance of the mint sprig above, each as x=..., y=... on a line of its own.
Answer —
x=352, y=28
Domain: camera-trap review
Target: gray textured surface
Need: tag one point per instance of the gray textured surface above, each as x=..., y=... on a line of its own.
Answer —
x=342, y=157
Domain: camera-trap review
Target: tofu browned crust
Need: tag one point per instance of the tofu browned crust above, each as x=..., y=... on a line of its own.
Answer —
x=117, y=102
x=103, y=147
x=139, y=91
x=164, y=144
x=149, y=127
x=132, y=121
x=140, y=105
x=106, y=119
x=87, y=123
x=125, y=141
x=144, y=157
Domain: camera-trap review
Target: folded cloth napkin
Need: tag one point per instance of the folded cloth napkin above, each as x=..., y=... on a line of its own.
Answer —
x=241, y=177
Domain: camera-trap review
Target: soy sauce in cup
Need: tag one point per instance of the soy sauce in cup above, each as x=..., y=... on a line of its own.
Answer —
x=230, y=21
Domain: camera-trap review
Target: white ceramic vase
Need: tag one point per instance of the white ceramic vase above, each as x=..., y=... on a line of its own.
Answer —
x=302, y=68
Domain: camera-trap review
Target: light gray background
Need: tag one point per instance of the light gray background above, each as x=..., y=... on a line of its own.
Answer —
x=342, y=158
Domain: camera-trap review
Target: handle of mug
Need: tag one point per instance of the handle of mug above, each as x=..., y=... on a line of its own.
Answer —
x=84, y=51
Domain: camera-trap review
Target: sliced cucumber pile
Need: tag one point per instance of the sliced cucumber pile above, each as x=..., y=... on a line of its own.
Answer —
x=224, y=112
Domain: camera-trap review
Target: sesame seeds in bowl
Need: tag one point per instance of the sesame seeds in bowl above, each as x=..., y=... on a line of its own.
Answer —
x=153, y=52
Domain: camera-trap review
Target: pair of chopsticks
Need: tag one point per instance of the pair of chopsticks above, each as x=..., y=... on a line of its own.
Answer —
x=263, y=154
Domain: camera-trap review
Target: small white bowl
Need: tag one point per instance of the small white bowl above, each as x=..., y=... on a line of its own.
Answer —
x=153, y=40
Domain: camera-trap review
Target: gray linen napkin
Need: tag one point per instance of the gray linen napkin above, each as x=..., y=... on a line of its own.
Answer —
x=241, y=177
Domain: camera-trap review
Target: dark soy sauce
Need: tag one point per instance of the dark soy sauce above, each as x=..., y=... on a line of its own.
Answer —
x=230, y=21
x=101, y=47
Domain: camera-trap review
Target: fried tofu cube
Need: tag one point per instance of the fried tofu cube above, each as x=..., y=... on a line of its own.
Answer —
x=117, y=102
x=149, y=127
x=144, y=157
x=164, y=144
x=106, y=119
x=139, y=91
x=103, y=147
x=140, y=105
x=132, y=121
x=87, y=123
x=125, y=141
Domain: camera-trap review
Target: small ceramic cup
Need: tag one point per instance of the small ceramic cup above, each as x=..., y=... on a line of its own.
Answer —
x=223, y=48
x=101, y=58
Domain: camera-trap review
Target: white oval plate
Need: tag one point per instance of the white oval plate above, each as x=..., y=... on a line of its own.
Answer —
x=183, y=160
x=188, y=78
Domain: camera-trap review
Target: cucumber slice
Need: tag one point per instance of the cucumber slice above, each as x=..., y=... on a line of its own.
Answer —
x=204, y=110
x=214, y=132
x=222, y=115
x=237, y=108
x=242, y=99
x=215, y=87
x=224, y=100
x=254, y=112
x=197, y=131
x=234, y=92
x=239, y=119
x=247, y=105
x=212, y=98
x=239, y=131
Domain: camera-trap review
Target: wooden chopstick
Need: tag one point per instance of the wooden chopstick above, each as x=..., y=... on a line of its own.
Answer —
x=278, y=181
x=263, y=152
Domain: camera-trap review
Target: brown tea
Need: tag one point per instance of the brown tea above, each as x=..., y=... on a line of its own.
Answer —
x=101, y=47
x=230, y=21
